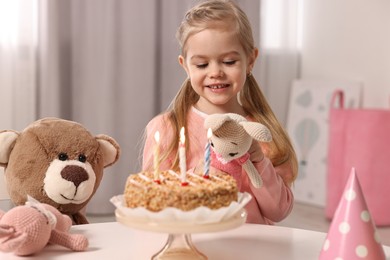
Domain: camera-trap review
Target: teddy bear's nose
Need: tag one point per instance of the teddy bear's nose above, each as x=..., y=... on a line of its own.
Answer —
x=75, y=174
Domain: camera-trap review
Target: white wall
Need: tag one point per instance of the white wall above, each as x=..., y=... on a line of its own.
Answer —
x=349, y=39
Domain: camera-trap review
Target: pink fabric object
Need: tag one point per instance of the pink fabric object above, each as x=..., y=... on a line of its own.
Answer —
x=233, y=167
x=27, y=229
x=352, y=233
x=271, y=203
x=359, y=138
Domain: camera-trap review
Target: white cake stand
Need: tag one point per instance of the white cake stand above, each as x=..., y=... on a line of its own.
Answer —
x=179, y=244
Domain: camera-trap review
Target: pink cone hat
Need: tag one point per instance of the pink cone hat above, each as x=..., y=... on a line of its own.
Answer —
x=352, y=233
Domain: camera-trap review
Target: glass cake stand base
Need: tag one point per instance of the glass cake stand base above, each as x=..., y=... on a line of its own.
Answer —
x=179, y=244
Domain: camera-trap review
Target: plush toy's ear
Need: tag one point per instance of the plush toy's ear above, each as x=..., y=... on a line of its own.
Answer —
x=7, y=142
x=110, y=149
x=258, y=131
x=215, y=121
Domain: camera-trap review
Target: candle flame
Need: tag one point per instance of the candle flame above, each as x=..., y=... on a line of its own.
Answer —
x=157, y=136
x=209, y=133
x=182, y=136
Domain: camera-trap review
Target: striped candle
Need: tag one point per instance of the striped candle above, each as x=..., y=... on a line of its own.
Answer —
x=207, y=154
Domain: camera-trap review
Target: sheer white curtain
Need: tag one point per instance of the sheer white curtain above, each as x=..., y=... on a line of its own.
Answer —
x=18, y=43
x=281, y=24
x=110, y=65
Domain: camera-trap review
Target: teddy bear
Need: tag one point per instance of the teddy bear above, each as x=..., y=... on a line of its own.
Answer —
x=231, y=138
x=27, y=229
x=57, y=162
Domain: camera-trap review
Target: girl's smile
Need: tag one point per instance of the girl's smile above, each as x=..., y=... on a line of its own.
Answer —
x=218, y=88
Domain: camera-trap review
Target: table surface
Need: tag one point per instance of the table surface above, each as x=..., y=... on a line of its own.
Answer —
x=116, y=241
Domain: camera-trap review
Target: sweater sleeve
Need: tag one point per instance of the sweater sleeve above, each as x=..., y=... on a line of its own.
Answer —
x=274, y=198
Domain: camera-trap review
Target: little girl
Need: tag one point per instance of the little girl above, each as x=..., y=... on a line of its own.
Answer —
x=218, y=55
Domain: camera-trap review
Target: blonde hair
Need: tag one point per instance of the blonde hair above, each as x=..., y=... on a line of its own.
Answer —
x=254, y=103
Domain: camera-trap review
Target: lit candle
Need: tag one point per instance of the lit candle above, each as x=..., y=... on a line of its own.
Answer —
x=156, y=162
x=207, y=153
x=182, y=157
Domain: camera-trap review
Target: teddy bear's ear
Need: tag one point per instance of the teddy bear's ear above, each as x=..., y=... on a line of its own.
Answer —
x=7, y=142
x=110, y=149
x=215, y=121
x=258, y=131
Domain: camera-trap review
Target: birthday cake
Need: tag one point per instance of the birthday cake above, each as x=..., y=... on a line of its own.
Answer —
x=215, y=192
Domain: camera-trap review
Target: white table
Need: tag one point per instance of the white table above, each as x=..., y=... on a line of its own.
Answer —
x=114, y=241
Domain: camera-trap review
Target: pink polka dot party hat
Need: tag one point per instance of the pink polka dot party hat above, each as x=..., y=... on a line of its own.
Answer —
x=352, y=233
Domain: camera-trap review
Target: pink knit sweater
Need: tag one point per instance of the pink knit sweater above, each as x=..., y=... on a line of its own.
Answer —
x=271, y=203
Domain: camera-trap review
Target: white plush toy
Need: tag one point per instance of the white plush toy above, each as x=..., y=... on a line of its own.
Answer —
x=231, y=139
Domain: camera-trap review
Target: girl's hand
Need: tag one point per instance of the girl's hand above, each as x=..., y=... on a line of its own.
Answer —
x=256, y=154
